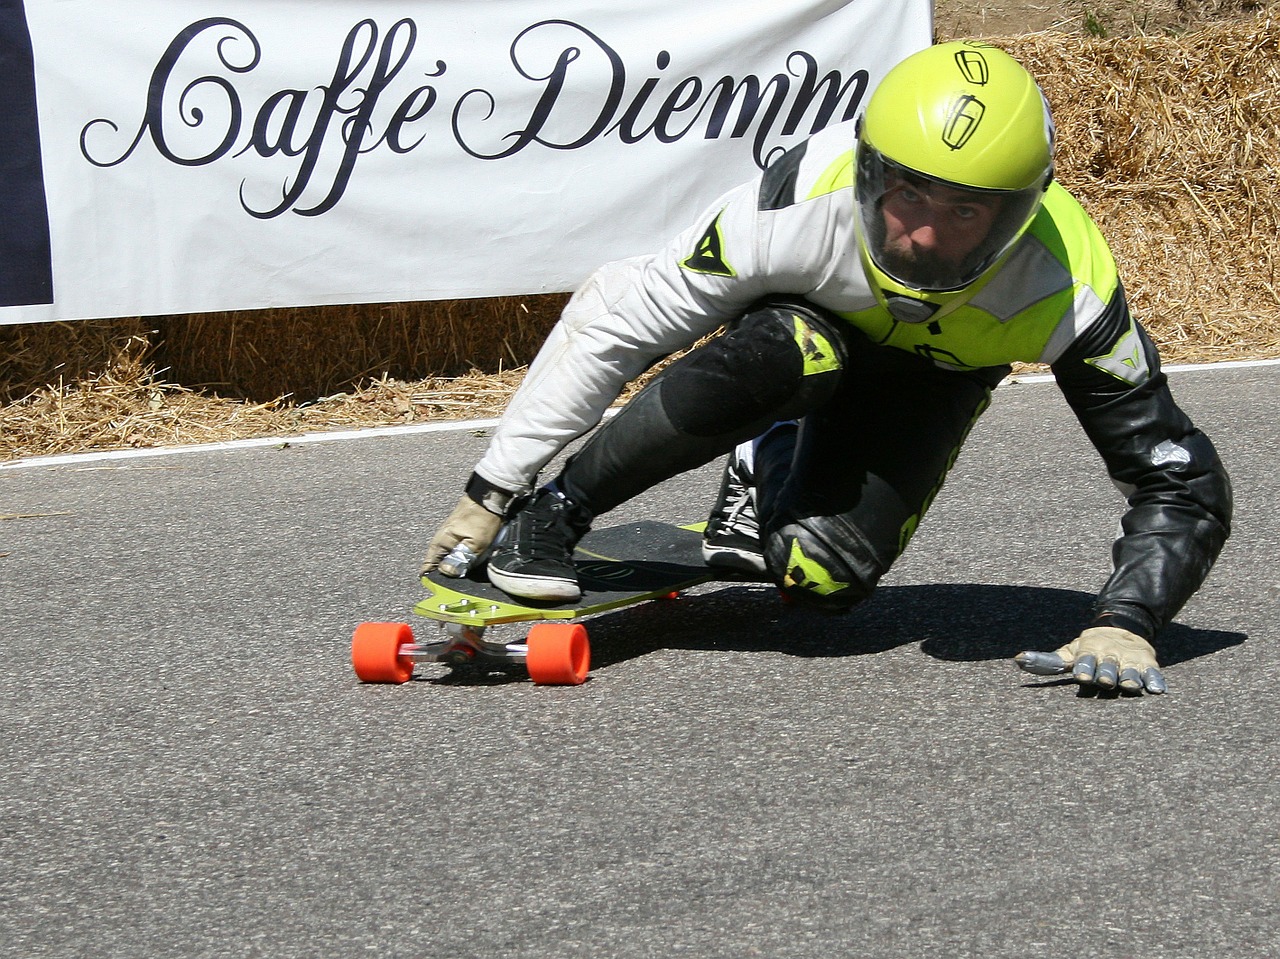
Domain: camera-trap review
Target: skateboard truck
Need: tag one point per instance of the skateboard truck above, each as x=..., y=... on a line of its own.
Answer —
x=555, y=654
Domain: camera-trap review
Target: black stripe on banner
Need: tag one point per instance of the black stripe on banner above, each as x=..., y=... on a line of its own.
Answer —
x=26, y=265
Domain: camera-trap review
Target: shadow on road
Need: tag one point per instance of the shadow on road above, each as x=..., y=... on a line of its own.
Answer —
x=953, y=622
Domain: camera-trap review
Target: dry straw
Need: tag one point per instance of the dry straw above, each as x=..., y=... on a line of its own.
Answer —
x=1172, y=144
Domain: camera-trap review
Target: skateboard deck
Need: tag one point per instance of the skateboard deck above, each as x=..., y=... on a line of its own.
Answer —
x=617, y=566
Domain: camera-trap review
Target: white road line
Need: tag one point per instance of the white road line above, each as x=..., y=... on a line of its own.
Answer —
x=1183, y=368
x=373, y=432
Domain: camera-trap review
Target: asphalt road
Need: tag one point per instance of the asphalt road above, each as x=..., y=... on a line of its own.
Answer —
x=191, y=769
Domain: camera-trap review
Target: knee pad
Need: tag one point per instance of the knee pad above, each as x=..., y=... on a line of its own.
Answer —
x=816, y=570
x=782, y=359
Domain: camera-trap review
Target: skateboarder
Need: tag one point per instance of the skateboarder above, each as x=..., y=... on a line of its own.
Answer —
x=875, y=284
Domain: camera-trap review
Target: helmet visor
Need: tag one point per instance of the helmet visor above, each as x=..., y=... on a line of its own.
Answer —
x=932, y=235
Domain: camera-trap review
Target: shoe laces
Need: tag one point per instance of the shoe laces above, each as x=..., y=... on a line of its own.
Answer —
x=738, y=511
x=543, y=529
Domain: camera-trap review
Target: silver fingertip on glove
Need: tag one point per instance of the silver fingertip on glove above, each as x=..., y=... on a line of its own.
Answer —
x=458, y=561
x=1041, y=664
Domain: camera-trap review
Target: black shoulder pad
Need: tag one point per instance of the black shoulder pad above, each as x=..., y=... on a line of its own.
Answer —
x=778, y=185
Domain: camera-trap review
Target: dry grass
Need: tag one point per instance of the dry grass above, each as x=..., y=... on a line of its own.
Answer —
x=112, y=384
x=1171, y=142
x=130, y=406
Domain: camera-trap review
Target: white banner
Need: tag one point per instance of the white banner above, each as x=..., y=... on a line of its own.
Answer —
x=206, y=155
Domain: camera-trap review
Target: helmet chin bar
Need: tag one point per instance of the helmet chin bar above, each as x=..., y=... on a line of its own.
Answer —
x=906, y=309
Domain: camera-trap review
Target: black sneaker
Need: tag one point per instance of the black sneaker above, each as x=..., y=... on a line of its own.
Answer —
x=732, y=537
x=532, y=556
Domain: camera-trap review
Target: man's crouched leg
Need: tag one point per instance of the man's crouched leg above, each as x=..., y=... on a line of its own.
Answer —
x=779, y=361
x=819, y=561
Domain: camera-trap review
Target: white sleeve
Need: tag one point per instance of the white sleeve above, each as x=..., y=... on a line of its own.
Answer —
x=628, y=315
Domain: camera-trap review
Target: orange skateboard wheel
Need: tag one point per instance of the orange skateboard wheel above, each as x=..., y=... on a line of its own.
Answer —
x=375, y=652
x=559, y=654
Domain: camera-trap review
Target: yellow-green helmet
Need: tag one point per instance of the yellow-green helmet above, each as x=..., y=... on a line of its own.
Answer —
x=965, y=115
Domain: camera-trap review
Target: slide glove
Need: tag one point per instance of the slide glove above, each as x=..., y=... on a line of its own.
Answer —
x=466, y=533
x=1103, y=656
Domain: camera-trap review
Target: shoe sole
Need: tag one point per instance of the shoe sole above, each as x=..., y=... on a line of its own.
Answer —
x=738, y=559
x=538, y=588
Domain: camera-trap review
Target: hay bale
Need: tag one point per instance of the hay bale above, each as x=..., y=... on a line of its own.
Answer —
x=1172, y=144
x=311, y=352
x=36, y=356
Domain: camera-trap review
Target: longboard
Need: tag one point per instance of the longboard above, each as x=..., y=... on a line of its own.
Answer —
x=617, y=566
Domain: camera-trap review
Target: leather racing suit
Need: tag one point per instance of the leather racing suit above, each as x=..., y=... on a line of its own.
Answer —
x=788, y=237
